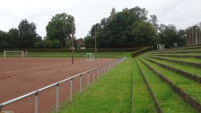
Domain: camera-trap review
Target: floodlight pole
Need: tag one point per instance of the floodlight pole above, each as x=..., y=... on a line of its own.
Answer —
x=95, y=44
x=72, y=47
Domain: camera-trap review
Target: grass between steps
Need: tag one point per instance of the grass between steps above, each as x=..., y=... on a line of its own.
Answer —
x=168, y=100
x=111, y=94
x=191, y=60
x=142, y=100
x=187, y=85
x=185, y=68
x=179, y=54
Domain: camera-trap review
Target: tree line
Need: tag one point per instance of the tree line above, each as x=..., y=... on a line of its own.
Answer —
x=59, y=29
x=128, y=28
x=133, y=28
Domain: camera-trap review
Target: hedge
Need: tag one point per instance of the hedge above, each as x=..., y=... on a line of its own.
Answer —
x=143, y=50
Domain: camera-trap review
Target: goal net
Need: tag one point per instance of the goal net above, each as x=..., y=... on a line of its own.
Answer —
x=14, y=54
x=90, y=57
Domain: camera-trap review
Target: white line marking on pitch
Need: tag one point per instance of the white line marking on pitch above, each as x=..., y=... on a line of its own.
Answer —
x=38, y=67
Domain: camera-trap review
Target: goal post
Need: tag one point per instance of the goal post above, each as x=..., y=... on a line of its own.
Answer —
x=15, y=53
x=90, y=57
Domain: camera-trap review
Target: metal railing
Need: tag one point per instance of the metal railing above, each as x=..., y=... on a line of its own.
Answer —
x=101, y=70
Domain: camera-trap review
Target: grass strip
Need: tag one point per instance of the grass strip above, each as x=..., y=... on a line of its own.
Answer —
x=80, y=54
x=169, y=101
x=180, y=55
x=190, y=60
x=142, y=100
x=111, y=94
x=187, y=85
x=186, y=68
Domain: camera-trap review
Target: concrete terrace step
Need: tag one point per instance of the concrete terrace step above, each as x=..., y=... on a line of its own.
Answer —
x=168, y=99
x=186, y=61
x=180, y=55
x=176, y=69
x=186, y=88
x=142, y=100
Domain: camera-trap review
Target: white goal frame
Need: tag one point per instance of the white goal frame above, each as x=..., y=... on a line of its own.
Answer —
x=22, y=53
x=90, y=57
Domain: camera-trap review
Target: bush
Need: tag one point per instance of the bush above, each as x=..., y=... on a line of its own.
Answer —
x=143, y=50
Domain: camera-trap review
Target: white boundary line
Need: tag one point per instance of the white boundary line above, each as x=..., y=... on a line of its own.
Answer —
x=38, y=67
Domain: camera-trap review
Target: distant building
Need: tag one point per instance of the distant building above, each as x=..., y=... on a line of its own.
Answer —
x=194, y=35
x=80, y=42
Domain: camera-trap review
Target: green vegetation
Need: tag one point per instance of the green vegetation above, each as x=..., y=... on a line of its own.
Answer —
x=142, y=100
x=131, y=27
x=187, y=85
x=191, y=60
x=111, y=94
x=76, y=54
x=169, y=101
x=185, y=68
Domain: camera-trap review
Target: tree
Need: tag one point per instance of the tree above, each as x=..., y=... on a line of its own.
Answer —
x=116, y=31
x=144, y=33
x=27, y=33
x=181, y=34
x=61, y=27
x=170, y=35
x=13, y=38
x=48, y=44
x=154, y=21
x=89, y=41
x=3, y=42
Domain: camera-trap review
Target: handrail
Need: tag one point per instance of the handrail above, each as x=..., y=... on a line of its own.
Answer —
x=112, y=63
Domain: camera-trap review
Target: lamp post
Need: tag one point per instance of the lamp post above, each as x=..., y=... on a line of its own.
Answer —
x=72, y=46
x=95, y=43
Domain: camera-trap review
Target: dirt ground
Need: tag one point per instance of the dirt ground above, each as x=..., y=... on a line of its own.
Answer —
x=19, y=76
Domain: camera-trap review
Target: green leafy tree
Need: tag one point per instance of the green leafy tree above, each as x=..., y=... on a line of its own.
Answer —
x=61, y=27
x=3, y=41
x=27, y=33
x=116, y=30
x=48, y=44
x=170, y=35
x=144, y=33
x=89, y=41
x=14, y=38
x=181, y=34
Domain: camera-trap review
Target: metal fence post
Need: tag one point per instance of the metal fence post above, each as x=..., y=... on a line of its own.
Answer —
x=71, y=89
x=36, y=102
x=57, y=98
x=93, y=75
x=104, y=70
x=81, y=83
x=88, y=79
x=4, y=54
x=98, y=72
x=101, y=71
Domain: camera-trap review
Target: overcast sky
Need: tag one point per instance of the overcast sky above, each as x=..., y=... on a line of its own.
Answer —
x=181, y=13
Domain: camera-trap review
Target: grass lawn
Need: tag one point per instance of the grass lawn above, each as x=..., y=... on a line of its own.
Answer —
x=111, y=94
x=142, y=100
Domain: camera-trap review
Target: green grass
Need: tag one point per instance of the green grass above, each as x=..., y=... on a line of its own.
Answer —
x=179, y=54
x=168, y=100
x=76, y=54
x=187, y=85
x=191, y=60
x=142, y=100
x=111, y=94
x=185, y=68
